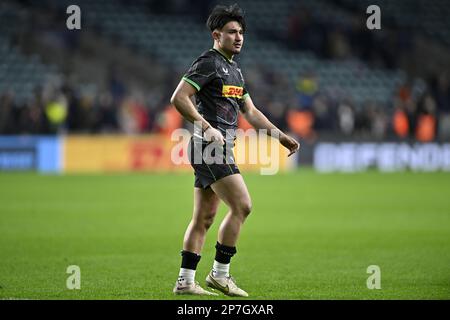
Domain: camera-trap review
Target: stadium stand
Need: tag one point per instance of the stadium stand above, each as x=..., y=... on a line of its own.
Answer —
x=299, y=56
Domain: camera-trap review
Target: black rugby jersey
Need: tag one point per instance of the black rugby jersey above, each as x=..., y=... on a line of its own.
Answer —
x=220, y=90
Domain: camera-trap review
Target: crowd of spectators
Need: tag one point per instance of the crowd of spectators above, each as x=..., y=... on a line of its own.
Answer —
x=305, y=108
x=425, y=117
x=333, y=40
x=307, y=111
x=67, y=110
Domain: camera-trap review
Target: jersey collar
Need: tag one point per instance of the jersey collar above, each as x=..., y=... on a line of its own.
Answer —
x=229, y=60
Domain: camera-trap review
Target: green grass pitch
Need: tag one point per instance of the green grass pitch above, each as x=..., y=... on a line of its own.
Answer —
x=310, y=236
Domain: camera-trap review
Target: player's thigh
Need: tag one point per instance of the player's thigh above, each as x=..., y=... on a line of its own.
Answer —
x=233, y=191
x=206, y=203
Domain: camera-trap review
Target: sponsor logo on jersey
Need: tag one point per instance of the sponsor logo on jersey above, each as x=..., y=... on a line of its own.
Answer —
x=232, y=91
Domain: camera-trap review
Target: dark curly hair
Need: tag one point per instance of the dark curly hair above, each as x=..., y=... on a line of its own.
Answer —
x=221, y=15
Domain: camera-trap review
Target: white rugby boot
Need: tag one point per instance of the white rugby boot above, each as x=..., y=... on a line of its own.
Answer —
x=182, y=287
x=227, y=285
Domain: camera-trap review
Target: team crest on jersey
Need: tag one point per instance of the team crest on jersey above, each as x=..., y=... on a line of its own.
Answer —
x=225, y=71
x=232, y=91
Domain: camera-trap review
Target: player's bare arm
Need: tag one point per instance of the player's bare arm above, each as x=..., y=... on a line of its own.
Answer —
x=181, y=99
x=259, y=121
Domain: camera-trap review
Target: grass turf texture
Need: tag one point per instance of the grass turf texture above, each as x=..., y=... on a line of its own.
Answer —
x=310, y=236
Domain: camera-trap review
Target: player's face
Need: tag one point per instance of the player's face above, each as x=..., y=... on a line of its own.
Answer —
x=231, y=37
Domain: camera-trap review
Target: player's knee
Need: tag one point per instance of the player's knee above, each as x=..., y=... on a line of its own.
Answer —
x=248, y=208
x=203, y=222
x=208, y=221
x=245, y=208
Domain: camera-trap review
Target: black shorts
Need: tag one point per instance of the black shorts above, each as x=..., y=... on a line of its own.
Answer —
x=205, y=172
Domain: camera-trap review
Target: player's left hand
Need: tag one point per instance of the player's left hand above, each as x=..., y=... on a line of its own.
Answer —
x=290, y=143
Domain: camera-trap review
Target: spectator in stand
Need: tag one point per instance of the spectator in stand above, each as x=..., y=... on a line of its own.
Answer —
x=426, y=120
x=411, y=112
x=168, y=120
x=338, y=45
x=378, y=120
x=276, y=109
x=346, y=116
x=400, y=123
x=440, y=87
x=116, y=86
x=307, y=87
x=323, y=115
x=32, y=119
x=105, y=119
x=301, y=123
x=133, y=116
x=56, y=112
x=7, y=113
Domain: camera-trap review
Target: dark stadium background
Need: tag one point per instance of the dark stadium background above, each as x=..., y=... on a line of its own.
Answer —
x=96, y=100
x=312, y=56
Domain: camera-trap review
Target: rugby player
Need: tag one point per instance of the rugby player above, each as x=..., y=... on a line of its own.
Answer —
x=217, y=82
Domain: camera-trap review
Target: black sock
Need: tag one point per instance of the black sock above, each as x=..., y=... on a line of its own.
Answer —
x=224, y=253
x=189, y=260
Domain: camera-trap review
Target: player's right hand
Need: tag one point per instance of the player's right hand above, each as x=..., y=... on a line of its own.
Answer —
x=290, y=143
x=213, y=135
